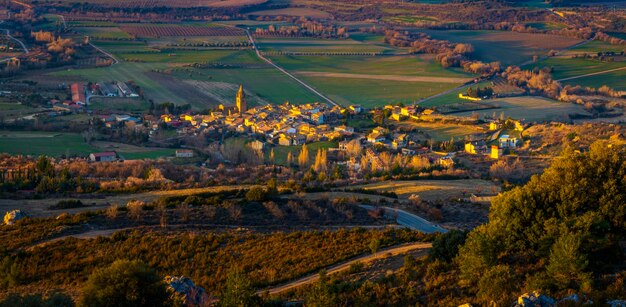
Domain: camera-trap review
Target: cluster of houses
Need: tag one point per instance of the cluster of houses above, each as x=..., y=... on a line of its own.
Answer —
x=292, y=125
x=499, y=141
x=285, y=124
x=80, y=92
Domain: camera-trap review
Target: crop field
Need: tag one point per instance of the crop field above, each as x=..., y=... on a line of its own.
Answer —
x=158, y=30
x=614, y=80
x=264, y=82
x=189, y=56
x=409, y=19
x=546, y=25
x=566, y=67
x=594, y=47
x=224, y=93
x=506, y=47
x=131, y=152
x=371, y=93
x=443, y=131
x=166, y=3
x=113, y=104
x=293, y=11
x=43, y=143
x=103, y=33
x=321, y=46
x=413, y=65
x=530, y=108
x=434, y=189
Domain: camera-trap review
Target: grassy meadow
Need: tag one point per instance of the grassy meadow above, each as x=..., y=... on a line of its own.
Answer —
x=37, y=143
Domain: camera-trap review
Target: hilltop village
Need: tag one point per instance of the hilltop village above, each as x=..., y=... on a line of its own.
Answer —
x=288, y=124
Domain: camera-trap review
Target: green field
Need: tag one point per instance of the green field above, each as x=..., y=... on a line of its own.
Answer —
x=322, y=45
x=189, y=57
x=54, y=144
x=565, y=67
x=614, y=80
x=103, y=32
x=152, y=154
x=412, y=65
x=372, y=93
x=443, y=131
x=114, y=104
x=43, y=143
x=506, y=47
x=530, y=108
x=265, y=82
x=596, y=46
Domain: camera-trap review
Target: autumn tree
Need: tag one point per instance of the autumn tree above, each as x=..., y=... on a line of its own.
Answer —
x=303, y=157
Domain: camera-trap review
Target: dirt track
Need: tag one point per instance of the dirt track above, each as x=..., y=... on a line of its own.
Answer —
x=384, y=77
x=392, y=251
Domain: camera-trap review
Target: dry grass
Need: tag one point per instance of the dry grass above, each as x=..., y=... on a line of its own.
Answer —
x=434, y=189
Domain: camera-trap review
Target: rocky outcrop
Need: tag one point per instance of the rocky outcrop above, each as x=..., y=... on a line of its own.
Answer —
x=185, y=291
x=13, y=216
x=535, y=299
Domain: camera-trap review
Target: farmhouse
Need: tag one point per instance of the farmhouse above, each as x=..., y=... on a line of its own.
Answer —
x=107, y=89
x=507, y=141
x=184, y=153
x=107, y=156
x=125, y=90
x=78, y=93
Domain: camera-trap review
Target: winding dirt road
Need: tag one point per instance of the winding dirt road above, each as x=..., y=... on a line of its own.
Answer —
x=393, y=251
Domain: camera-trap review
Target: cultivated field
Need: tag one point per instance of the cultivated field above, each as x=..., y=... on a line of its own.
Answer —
x=158, y=30
x=293, y=11
x=506, y=47
x=43, y=143
x=68, y=144
x=372, y=93
x=112, y=104
x=434, y=189
x=320, y=46
x=566, y=67
x=443, y=131
x=530, y=108
x=166, y=3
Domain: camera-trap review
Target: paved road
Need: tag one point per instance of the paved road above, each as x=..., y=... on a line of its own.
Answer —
x=115, y=61
x=268, y=61
x=410, y=220
x=396, y=250
x=8, y=34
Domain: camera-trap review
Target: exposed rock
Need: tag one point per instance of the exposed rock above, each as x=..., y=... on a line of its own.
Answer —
x=13, y=216
x=534, y=299
x=184, y=289
x=573, y=298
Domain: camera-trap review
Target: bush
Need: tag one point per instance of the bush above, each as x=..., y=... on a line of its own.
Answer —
x=446, y=246
x=67, y=204
x=257, y=194
x=124, y=283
